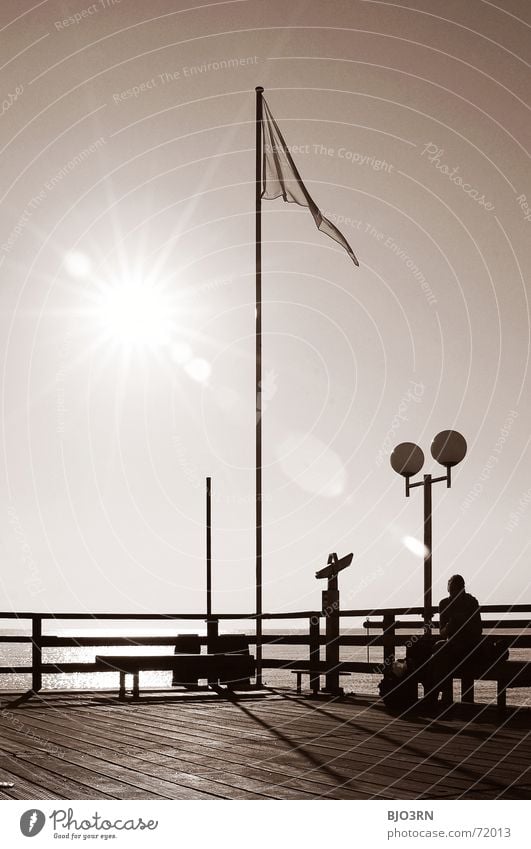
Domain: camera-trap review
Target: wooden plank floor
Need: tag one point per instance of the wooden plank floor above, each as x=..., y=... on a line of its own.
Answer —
x=274, y=745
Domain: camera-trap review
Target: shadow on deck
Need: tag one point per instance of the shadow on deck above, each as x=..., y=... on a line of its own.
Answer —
x=267, y=745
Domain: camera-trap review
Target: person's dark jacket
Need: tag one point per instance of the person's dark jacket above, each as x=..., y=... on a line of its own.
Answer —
x=460, y=620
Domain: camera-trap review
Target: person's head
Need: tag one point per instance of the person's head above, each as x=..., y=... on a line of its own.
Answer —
x=456, y=584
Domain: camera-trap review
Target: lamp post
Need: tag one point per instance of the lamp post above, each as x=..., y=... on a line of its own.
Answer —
x=448, y=448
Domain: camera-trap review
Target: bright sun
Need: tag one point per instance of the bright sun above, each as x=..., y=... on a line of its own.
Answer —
x=136, y=316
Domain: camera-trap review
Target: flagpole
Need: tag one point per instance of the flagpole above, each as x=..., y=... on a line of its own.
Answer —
x=258, y=384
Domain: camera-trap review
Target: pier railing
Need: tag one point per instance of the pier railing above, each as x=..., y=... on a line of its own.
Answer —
x=395, y=627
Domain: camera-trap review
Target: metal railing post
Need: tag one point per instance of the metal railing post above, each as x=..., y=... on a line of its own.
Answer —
x=36, y=653
x=212, y=634
x=388, y=639
x=212, y=639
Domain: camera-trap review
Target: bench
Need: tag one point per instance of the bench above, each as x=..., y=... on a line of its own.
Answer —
x=508, y=674
x=233, y=670
x=487, y=663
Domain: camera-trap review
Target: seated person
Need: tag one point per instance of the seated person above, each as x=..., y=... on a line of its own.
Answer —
x=459, y=616
x=460, y=628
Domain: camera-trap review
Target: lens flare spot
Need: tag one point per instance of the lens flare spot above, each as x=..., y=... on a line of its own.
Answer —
x=181, y=353
x=77, y=264
x=415, y=546
x=312, y=464
x=199, y=370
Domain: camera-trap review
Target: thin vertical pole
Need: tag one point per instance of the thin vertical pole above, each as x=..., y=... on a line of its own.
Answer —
x=258, y=386
x=427, y=553
x=209, y=548
x=36, y=653
x=389, y=637
x=315, y=651
x=212, y=622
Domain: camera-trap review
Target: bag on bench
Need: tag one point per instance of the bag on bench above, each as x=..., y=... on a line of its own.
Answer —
x=418, y=655
x=185, y=644
x=233, y=644
x=399, y=687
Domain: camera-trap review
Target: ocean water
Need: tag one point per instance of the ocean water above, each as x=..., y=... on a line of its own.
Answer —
x=12, y=654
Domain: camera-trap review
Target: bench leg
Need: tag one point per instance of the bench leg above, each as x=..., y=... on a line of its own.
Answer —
x=467, y=690
x=299, y=682
x=136, y=687
x=447, y=691
x=121, y=694
x=314, y=682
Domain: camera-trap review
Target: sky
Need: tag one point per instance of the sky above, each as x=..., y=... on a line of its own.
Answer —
x=127, y=301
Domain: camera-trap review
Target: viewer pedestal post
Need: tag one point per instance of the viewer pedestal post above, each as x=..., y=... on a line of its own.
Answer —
x=331, y=612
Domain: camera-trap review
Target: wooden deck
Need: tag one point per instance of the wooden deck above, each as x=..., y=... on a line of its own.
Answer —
x=274, y=745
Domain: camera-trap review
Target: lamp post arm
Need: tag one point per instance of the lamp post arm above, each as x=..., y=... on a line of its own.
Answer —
x=412, y=485
x=447, y=478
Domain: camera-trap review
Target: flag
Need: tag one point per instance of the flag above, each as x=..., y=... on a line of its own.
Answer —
x=280, y=178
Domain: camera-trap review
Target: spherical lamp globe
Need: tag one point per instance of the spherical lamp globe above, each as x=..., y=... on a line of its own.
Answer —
x=407, y=459
x=448, y=448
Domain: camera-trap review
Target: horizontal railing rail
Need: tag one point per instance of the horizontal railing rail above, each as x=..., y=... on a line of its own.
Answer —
x=289, y=614
x=522, y=624
x=386, y=638
x=524, y=641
